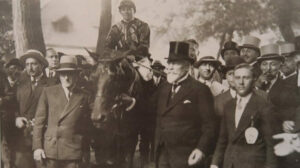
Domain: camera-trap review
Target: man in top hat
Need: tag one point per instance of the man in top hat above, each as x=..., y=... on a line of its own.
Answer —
x=62, y=120
x=131, y=32
x=207, y=66
x=31, y=84
x=245, y=138
x=250, y=49
x=230, y=51
x=158, y=72
x=185, y=116
x=289, y=66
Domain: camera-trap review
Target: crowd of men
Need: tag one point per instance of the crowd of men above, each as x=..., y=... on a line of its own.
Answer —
x=205, y=114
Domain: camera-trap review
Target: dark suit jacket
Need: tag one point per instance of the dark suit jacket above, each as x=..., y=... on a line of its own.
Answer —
x=232, y=148
x=27, y=100
x=61, y=126
x=186, y=122
x=220, y=102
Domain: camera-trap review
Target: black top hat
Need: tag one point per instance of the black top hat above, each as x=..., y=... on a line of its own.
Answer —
x=208, y=59
x=157, y=65
x=15, y=62
x=179, y=50
x=230, y=45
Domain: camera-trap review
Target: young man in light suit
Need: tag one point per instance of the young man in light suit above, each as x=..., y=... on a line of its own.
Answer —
x=245, y=138
x=62, y=120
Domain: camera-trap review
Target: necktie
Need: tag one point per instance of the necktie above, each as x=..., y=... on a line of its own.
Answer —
x=33, y=84
x=238, y=112
x=173, y=92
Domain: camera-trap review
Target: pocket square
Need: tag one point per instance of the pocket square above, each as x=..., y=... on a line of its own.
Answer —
x=187, y=101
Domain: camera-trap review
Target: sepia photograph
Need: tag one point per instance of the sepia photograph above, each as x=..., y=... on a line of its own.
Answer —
x=150, y=83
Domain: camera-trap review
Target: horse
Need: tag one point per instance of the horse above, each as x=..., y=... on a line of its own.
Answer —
x=119, y=87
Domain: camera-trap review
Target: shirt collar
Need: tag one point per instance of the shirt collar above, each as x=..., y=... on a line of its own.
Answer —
x=182, y=79
x=299, y=78
x=36, y=79
x=245, y=99
x=294, y=73
x=11, y=81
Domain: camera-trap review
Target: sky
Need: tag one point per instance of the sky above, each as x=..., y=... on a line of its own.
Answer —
x=85, y=17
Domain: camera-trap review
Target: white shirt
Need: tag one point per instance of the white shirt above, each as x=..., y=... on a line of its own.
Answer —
x=216, y=88
x=240, y=107
x=156, y=80
x=47, y=70
x=179, y=81
x=67, y=93
x=232, y=93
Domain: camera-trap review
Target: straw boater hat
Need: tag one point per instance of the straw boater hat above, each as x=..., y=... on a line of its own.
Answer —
x=68, y=63
x=251, y=42
x=270, y=52
x=36, y=55
x=208, y=59
x=286, y=49
x=179, y=50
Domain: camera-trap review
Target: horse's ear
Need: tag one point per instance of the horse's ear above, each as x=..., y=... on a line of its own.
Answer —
x=94, y=55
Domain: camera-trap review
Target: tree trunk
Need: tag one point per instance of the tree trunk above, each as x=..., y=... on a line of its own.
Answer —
x=284, y=18
x=226, y=36
x=105, y=24
x=27, y=25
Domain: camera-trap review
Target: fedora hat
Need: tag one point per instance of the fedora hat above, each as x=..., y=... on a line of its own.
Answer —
x=251, y=42
x=230, y=45
x=270, y=52
x=34, y=54
x=68, y=63
x=286, y=49
x=208, y=59
x=179, y=50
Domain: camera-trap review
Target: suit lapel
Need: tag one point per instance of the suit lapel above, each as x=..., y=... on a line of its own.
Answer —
x=184, y=90
x=250, y=110
x=231, y=115
x=71, y=105
x=27, y=94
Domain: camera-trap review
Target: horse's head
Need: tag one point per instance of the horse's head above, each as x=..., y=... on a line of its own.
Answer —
x=118, y=80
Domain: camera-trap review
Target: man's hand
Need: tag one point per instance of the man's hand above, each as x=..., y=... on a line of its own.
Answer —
x=39, y=154
x=21, y=122
x=288, y=126
x=288, y=145
x=213, y=166
x=195, y=157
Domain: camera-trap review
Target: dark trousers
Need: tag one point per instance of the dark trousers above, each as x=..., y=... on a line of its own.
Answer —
x=51, y=163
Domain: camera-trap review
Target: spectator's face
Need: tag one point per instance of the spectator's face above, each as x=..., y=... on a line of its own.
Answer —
x=289, y=66
x=249, y=55
x=68, y=78
x=127, y=13
x=230, y=78
x=206, y=70
x=229, y=54
x=13, y=71
x=176, y=70
x=243, y=81
x=52, y=59
x=33, y=67
x=270, y=68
